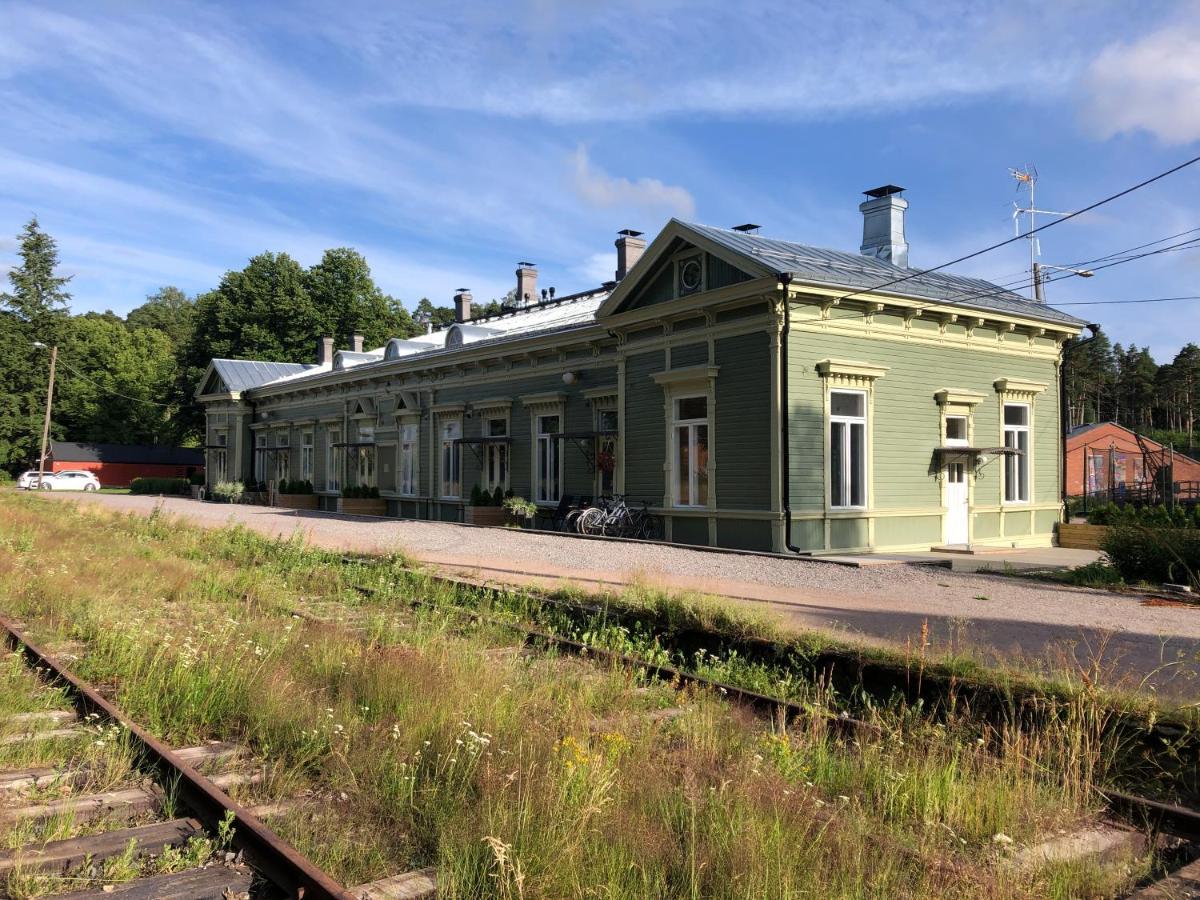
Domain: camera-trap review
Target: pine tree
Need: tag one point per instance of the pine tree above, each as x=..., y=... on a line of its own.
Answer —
x=38, y=292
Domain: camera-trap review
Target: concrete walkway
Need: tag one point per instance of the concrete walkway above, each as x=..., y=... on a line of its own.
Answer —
x=1116, y=638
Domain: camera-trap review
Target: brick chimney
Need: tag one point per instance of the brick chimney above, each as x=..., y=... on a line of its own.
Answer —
x=356, y=342
x=630, y=246
x=526, y=284
x=462, y=305
x=883, y=225
x=325, y=351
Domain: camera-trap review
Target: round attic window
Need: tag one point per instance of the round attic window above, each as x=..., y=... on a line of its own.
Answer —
x=689, y=276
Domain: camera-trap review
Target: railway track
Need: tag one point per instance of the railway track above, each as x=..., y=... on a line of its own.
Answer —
x=250, y=859
x=1179, y=823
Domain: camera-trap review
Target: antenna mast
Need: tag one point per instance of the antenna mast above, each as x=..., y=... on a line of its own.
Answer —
x=1028, y=178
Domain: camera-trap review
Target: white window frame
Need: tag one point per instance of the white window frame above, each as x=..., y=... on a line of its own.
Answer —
x=1019, y=464
x=307, y=449
x=450, y=458
x=220, y=460
x=849, y=473
x=408, y=456
x=692, y=427
x=366, y=460
x=260, y=457
x=496, y=457
x=548, y=458
x=333, y=480
x=283, y=456
x=606, y=444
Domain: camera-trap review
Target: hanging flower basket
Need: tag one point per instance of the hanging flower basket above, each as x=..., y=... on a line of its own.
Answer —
x=606, y=461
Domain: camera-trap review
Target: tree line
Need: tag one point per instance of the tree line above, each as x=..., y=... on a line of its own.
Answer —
x=1109, y=382
x=131, y=379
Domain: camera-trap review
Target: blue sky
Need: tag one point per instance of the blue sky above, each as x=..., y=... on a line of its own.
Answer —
x=166, y=143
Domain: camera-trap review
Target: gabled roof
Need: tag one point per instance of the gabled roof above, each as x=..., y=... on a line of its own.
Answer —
x=145, y=454
x=760, y=256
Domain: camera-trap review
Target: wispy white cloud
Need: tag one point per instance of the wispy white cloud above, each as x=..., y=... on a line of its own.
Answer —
x=603, y=191
x=1149, y=84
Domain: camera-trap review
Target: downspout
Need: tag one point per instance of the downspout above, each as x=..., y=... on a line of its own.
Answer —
x=1065, y=417
x=785, y=278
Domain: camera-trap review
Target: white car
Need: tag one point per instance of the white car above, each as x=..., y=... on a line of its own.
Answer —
x=27, y=481
x=71, y=480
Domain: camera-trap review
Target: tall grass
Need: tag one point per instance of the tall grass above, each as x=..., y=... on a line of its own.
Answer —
x=420, y=737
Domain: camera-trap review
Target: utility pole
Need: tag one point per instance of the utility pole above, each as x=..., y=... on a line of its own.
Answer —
x=1037, y=283
x=46, y=423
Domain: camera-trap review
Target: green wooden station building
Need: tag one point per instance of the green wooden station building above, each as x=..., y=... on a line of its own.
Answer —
x=757, y=393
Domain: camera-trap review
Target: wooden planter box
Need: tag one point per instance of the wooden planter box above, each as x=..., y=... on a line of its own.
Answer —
x=296, y=501
x=485, y=515
x=362, y=506
x=1081, y=537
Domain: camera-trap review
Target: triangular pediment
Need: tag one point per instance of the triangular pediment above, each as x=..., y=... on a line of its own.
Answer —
x=212, y=383
x=679, y=263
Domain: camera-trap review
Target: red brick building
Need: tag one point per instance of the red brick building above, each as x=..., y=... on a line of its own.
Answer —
x=118, y=464
x=1103, y=456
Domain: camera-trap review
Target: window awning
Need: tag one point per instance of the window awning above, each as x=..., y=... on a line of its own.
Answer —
x=351, y=444
x=499, y=439
x=584, y=435
x=979, y=451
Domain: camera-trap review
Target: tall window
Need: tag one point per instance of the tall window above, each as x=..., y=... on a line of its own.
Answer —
x=1016, y=465
x=496, y=460
x=549, y=459
x=606, y=452
x=306, y=456
x=409, y=437
x=219, y=460
x=333, y=460
x=451, y=459
x=847, y=449
x=691, y=451
x=364, y=457
x=260, y=457
x=282, y=457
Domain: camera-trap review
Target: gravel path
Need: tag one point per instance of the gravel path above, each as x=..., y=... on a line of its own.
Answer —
x=997, y=617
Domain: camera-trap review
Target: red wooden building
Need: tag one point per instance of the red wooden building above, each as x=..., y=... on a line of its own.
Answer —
x=118, y=464
x=1104, y=456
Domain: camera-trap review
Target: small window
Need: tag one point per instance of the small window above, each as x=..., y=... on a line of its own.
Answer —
x=1016, y=414
x=847, y=450
x=956, y=429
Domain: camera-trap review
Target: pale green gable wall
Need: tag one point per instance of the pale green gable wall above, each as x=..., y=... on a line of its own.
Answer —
x=905, y=430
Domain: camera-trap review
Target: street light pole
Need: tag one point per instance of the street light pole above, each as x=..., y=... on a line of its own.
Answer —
x=49, y=400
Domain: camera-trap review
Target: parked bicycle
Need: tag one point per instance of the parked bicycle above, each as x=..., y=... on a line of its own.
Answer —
x=615, y=518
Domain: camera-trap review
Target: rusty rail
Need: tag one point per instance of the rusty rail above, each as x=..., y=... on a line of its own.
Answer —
x=276, y=859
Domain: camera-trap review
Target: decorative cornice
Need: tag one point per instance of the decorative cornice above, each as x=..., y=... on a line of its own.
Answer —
x=599, y=393
x=689, y=375
x=957, y=397
x=545, y=398
x=490, y=404
x=1016, y=388
x=847, y=369
x=442, y=408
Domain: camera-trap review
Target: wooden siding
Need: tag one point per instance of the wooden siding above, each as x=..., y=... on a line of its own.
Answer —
x=743, y=423
x=645, y=428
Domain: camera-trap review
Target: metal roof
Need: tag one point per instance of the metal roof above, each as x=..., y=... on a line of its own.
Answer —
x=852, y=270
x=243, y=374
x=144, y=454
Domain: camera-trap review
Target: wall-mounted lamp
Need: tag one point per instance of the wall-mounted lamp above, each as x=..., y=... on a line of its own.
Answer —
x=571, y=377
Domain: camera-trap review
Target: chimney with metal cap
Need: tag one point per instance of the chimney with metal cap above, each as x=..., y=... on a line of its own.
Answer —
x=356, y=342
x=630, y=246
x=526, y=284
x=325, y=351
x=883, y=225
x=462, y=305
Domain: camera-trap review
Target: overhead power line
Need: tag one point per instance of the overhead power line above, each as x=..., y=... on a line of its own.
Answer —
x=109, y=391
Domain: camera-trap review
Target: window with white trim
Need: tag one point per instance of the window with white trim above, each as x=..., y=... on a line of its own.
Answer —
x=1016, y=465
x=548, y=459
x=333, y=468
x=364, y=457
x=956, y=431
x=451, y=469
x=847, y=449
x=306, y=456
x=690, y=456
x=409, y=446
x=282, y=457
x=495, y=461
x=219, y=460
x=606, y=453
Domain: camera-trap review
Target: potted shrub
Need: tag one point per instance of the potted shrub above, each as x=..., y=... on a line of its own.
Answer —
x=363, y=501
x=228, y=491
x=520, y=511
x=484, y=508
x=296, y=495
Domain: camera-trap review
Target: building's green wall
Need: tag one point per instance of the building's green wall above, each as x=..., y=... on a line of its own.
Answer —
x=645, y=428
x=744, y=534
x=689, y=530
x=744, y=475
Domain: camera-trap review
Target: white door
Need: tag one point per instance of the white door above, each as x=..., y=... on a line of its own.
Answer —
x=956, y=503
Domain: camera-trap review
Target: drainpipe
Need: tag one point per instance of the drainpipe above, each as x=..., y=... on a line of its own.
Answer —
x=785, y=278
x=1064, y=416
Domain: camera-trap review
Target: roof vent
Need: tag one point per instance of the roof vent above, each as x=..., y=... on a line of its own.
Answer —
x=748, y=228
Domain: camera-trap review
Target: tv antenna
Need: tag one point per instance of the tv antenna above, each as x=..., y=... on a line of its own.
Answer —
x=1027, y=179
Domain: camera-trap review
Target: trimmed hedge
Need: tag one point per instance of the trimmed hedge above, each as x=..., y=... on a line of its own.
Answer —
x=160, y=486
x=1157, y=555
x=1150, y=516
